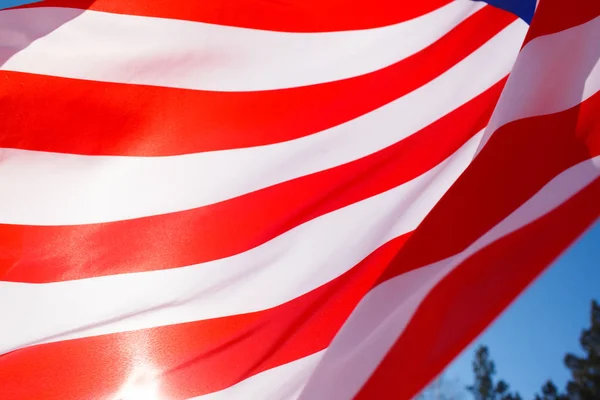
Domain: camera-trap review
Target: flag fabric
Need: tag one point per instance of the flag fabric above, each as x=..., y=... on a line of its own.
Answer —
x=276, y=200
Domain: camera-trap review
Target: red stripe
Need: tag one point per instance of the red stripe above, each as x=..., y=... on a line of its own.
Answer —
x=285, y=16
x=96, y=118
x=469, y=299
x=518, y=160
x=194, y=358
x=50, y=253
x=553, y=16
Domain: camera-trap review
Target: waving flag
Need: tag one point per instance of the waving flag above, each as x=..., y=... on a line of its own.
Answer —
x=276, y=200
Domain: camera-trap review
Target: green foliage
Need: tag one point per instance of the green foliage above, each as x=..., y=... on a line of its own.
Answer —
x=484, y=370
x=550, y=392
x=585, y=371
x=484, y=388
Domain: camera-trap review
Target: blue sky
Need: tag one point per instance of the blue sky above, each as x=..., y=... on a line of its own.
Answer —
x=528, y=341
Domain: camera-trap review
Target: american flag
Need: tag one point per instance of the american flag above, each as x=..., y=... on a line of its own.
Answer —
x=281, y=199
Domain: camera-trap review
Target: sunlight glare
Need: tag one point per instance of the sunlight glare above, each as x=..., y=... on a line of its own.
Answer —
x=142, y=384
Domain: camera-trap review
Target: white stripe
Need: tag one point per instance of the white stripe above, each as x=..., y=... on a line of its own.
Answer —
x=284, y=382
x=280, y=270
x=380, y=318
x=552, y=73
x=368, y=334
x=60, y=189
x=193, y=55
